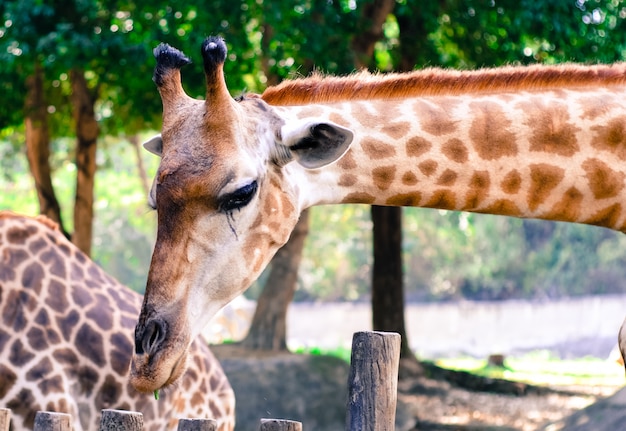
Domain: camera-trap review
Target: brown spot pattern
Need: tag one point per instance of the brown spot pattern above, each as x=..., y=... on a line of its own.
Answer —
x=428, y=167
x=377, y=150
x=347, y=180
x=368, y=117
x=19, y=355
x=109, y=392
x=358, y=198
x=607, y=217
x=552, y=131
x=66, y=324
x=102, y=314
x=32, y=277
x=611, y=137
x=39, y=370
x=37, y=339
x=434, y=119
x=7, y=380
x=455, y=150
x=347, y=162
x=24, y=404
x=81, y=296
x=53, y=384
x=447, y=178
x=543, y=179
x=405, y=199
x=593, y=107
x=42, y=304
x=417, y=146
x=65, y=357
x=383, y=176
x=76, y=272
x=55, y=261
x=478, y=189
x=89, y=343
x=35, y=246
x=501, y=207
x=409, y=179
x=442, y=199
x=489, y=132
x=568, y=208
x=57, y=298
x=17, y=236
x=512, y=182
x=396, y=130
x=604, y=182
x=4, y=338
x=13, y=258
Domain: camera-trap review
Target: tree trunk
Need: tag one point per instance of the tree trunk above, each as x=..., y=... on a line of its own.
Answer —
x=268, y=330
x=86, y=138
x=387, y=277
x=415, y=21
x=38, y=147
x=374, y=14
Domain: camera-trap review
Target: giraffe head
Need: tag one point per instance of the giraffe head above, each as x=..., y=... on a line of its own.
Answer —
x=224, y=200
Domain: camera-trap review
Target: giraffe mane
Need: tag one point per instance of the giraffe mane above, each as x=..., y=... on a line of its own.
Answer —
x=319, y=88
x=49, y=223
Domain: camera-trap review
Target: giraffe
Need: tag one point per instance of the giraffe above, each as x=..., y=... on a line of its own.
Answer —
x=66, y=339
x=545, y=142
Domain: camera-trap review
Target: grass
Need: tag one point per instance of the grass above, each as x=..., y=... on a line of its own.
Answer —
x=339, y=352
x=538, y=368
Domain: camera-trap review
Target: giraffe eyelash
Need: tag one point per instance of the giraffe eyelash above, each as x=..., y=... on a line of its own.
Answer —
x=238, y=199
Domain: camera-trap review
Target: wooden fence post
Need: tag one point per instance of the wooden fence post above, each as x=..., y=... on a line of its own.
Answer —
x=5, y=419
x=373, y=381
x=280, y=425
x=52, y=421
x=197, y=425
x=120, y=420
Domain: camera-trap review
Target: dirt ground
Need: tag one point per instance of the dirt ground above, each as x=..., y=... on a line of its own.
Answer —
x=433, y=399
x=443, y=405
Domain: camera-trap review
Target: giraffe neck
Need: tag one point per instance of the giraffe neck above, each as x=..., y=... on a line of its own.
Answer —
x=553, y=155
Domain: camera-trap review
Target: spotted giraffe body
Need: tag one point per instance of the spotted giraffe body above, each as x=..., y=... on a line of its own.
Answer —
x=66, y=339
x=546, y=142
x=553, y=155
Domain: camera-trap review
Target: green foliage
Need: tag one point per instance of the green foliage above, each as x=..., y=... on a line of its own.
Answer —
x=124, y=233
x=336, y=262
x=447, y=254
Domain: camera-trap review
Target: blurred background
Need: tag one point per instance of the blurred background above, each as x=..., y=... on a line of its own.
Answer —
x=501, y=297
x=77, y=100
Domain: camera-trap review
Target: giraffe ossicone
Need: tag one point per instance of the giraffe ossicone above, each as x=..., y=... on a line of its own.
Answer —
x=66, y=336
x=546, y=142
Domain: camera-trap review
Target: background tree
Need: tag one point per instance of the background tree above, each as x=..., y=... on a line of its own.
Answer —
x=268, y=328
x=447, y=255
x=387, y=271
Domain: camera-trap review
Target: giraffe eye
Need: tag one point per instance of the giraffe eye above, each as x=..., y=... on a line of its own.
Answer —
x=238, y=199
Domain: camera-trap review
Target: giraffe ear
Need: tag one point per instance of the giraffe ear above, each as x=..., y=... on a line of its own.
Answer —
x=316, y=144
x=154, y=145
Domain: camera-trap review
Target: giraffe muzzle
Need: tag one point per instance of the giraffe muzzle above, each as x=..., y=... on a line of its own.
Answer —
x=161, y=349
x=150, y=337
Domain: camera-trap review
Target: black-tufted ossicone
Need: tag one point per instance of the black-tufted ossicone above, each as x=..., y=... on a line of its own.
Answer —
x=167, y=58
x=213, y=53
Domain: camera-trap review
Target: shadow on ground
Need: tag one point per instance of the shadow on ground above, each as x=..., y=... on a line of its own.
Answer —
x=313, y=390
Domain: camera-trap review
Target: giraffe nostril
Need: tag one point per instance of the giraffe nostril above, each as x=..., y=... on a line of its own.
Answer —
x=152, y=337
